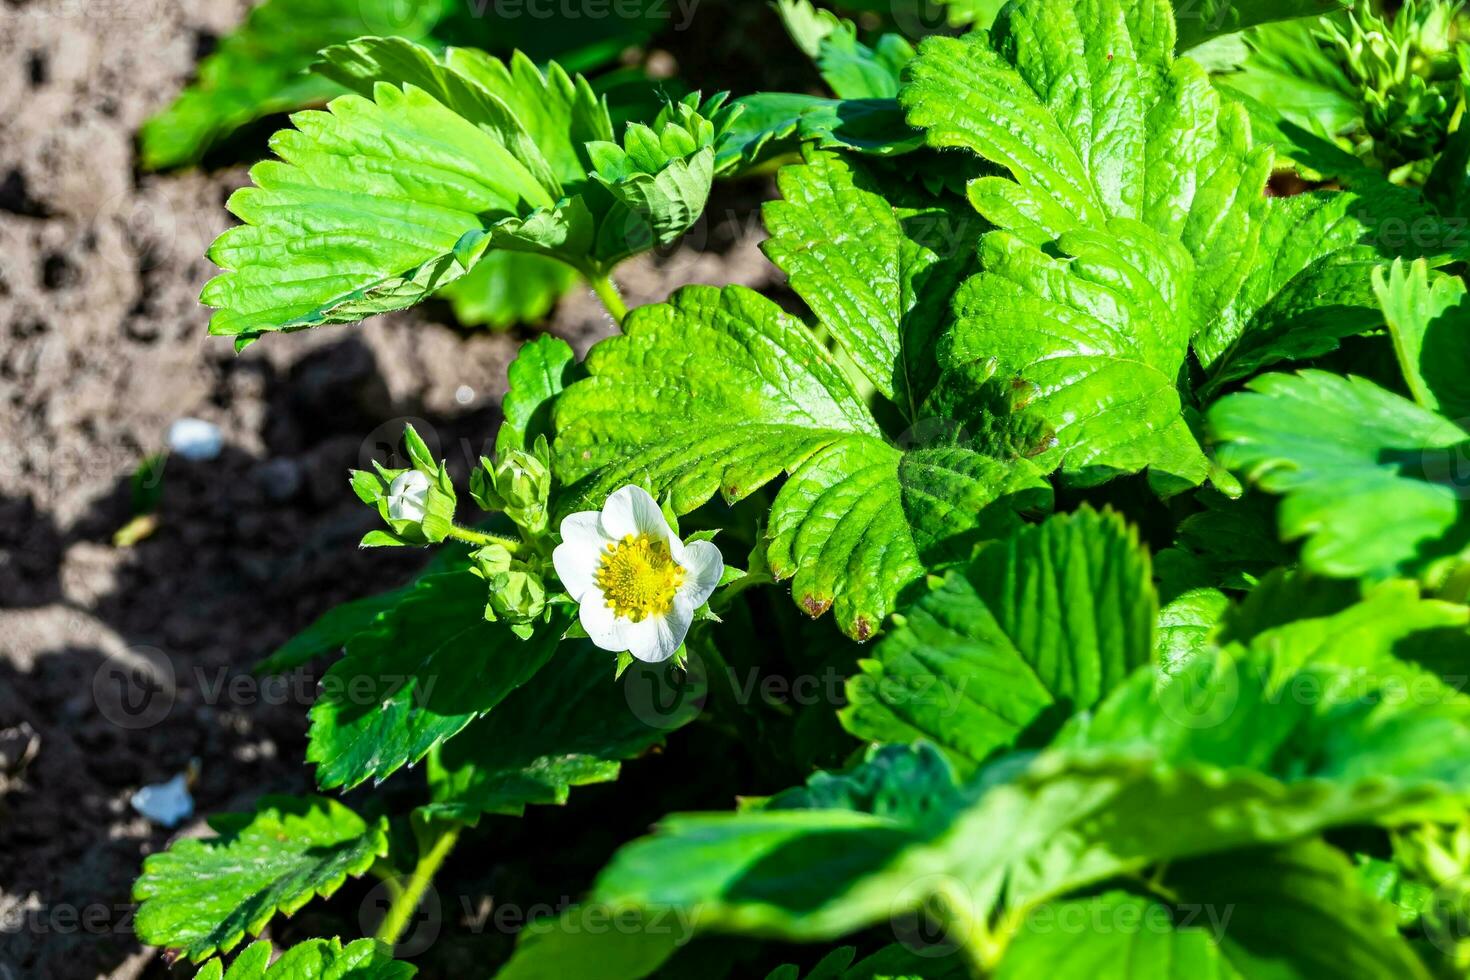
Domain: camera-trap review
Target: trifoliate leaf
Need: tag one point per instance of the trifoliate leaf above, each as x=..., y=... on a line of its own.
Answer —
x=1369, y=479
x=507, y=288
x=721, y=391
x=573, y=725
x=1200, y=21
x=421, y=674
x=373, y=205
x=1166, y=769
x=877, y=263
x=261, y=68
x=1127, y=937
x=1050, y=619
x=203, y=896
x=315, y=959
x=1132, y=221
x=1430, y=323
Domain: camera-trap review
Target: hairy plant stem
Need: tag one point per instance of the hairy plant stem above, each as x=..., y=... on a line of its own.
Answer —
x=612, y=300
x=514, y=545
x=406, y=899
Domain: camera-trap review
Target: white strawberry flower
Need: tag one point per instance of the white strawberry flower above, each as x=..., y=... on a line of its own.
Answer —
x=638, y=585
x=408, y=496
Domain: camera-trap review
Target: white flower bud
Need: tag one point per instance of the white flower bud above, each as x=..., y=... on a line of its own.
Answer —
x=408, y=496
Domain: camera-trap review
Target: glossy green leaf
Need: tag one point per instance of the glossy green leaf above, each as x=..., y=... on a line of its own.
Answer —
x=315, y=959
x=419, y=676
x=877, y=263
x=1048, y=620
x=371, y=207
x=1370, y=480
x=541, y=371
x=721, y=391
x=1132, y=222
x=589, y=941
x=203, y=896
x=1212, y=759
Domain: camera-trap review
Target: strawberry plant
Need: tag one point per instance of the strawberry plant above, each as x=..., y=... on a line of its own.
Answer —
x=1124, y=496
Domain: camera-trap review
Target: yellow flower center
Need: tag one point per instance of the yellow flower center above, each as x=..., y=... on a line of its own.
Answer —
x=639, y=577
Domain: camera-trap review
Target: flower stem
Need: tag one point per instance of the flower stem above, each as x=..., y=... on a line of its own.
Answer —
x=514, y=545
x=406, y=900
x=612, y=301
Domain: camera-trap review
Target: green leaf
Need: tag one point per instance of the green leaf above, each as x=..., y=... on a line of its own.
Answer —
x=205, y=896
x=331, y=631
x=1132, y=223
x=1288, y=76
x=1430, y=323
x=1200, y=21
x=373, y=205
x=1296, y=913
x=720, y=390
x=1048, y=620
x=541, y=371
x=585, y=941
x=771, y=124
x=315, y=959
x=1213, y=759
x=1369, y=479
x=876, y=262
x=572, y=725
x=508, y=288
x=422, y=673
x=1310, y=287
x=261, y=68
x=1125, y=937
x=1112, y=248
x=1187, y=624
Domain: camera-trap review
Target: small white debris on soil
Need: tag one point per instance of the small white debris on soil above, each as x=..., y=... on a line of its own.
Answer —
x=167, y=804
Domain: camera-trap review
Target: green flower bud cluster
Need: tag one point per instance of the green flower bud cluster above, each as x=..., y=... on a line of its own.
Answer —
x=1409, y=69
x=517, y=483
x=418, y=504
x=517, y=588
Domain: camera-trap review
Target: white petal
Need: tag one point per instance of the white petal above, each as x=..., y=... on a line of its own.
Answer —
x=658, y=637
x=408, y=495
x=603, y=626
x=577, y=557
x=703, y=567
x=632, y=511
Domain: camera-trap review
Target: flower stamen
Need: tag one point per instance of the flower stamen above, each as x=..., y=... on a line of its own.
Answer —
x=639, y=577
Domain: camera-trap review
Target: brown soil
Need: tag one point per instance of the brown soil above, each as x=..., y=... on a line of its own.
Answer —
x=102, y=346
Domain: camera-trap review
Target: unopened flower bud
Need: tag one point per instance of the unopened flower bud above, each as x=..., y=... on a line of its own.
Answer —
x=408, y=496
